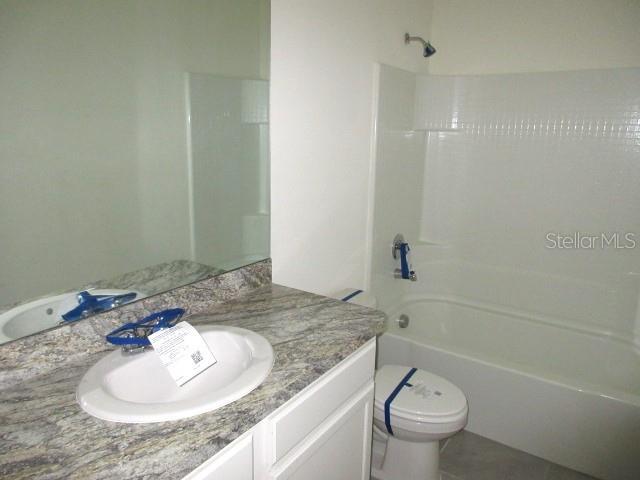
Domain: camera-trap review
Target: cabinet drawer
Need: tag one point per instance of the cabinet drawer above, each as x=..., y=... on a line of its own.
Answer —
x=313, y=405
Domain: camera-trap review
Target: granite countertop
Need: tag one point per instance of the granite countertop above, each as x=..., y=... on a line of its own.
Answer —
x=45, y=435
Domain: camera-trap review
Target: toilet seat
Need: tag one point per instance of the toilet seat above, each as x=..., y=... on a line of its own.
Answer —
x=428, y=399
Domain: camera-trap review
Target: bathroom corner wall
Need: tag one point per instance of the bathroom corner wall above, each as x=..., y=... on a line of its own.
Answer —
x=322, y=87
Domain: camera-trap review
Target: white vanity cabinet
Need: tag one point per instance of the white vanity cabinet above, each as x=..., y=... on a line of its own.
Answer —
x=234, y=462
x=322, y=433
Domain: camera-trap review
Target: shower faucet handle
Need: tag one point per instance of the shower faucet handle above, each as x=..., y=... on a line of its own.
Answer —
x=398, y=240
x=400, y=250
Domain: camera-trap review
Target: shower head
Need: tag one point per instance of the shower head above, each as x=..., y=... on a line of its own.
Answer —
x=428, y=48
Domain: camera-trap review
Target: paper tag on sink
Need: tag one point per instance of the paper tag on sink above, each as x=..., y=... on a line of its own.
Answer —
x=182, y=351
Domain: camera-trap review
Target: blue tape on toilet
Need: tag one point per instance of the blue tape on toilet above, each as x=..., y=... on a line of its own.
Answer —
x=351, y=295
x=392, y=396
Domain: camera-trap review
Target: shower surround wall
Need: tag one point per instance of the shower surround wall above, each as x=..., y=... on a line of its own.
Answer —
x=510, y=162
x=514, y=160
x=481, y=174
x=398, y=171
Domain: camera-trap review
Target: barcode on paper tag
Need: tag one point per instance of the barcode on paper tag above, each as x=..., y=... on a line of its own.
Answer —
x=196, y=357
x=182, y=351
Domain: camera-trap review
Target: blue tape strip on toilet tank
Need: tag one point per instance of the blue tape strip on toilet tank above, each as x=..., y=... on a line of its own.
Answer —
x=392, y=396
x=351, y=295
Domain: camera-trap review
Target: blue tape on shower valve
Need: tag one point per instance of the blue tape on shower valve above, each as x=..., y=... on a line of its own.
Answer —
x=351, y=295
x=392, y=396
x=404, y=262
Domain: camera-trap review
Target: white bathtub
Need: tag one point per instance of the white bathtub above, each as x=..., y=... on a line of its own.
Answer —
x=568, y=396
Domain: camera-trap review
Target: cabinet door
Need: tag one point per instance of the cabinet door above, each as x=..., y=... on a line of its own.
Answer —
x=232, y=463
x=292, y=423
x=339, y=449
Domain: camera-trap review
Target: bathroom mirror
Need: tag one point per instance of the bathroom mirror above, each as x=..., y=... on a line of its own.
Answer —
x=134, y=151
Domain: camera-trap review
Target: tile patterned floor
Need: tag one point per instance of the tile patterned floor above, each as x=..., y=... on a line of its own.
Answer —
x=467, y=456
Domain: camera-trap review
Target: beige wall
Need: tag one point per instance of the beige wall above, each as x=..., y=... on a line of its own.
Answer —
x=93, y=150
x=322, y=90
x=508, y=36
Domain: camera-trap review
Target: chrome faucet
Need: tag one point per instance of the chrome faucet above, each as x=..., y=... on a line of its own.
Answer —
x=401, y=250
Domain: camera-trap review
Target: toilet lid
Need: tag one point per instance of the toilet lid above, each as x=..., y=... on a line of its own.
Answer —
x=427, y=396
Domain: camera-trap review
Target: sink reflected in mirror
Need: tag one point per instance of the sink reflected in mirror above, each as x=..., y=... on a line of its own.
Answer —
x=137, y=388
x=47, y=312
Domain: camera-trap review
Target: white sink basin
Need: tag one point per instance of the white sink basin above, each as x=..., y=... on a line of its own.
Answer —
x=136, y=388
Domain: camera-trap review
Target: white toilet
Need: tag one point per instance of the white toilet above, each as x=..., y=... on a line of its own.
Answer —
x=423, y=409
